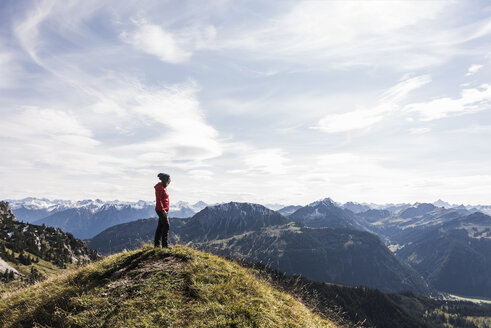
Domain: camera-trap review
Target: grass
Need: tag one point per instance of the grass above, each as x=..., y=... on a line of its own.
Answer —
x=151, y=287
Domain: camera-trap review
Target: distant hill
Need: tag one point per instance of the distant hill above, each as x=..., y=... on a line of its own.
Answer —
x=287, y=210
x=355, y=207
x=403, y=226
x=255, y=233
x=454, y=257
x=158, y=288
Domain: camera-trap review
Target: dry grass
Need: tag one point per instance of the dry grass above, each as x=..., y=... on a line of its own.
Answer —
x=151, y=287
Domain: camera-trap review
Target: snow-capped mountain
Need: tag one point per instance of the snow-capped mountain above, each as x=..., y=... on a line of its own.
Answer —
x=326, y=213
x=394, y=208
x=32, y=209
x=85, y=218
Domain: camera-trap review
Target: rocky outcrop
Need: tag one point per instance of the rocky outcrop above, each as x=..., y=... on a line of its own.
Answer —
x=6, y=211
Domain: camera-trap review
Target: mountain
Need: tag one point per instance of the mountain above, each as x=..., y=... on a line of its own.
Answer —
x=255, y=233
x=184, y=209
x=334, y=255
x=226, y=220
x=372, y=215
x=392, y=207
x=455, y=257
x=441, y=203
x=324, y=213
x=31, y=209
x=355, y=207
x=158, y=288
x=37, y=210
x=85, y=219
x=132, y=235
x=287, y=210
x=404, y=226
x=33, y=251
x=85, y=222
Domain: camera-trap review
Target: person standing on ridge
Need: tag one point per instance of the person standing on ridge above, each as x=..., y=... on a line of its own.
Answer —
x=162, y=209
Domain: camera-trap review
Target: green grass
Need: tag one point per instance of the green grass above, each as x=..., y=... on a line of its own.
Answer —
x=151, y=287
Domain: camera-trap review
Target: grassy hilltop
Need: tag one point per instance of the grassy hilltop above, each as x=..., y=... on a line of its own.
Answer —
x=151, y=287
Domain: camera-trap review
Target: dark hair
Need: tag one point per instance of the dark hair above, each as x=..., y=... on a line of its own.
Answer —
x=163, y=177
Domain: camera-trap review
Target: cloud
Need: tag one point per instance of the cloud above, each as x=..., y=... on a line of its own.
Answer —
x=345, y=34
x=102, y=111
x=179, y=131
x=257, y=161
x=31, y=123
x=473, y=69
x=471, y=100
x=269, y=161
x=97, y=124
x=7, y=76
x=44, y=139
x=154, y=40
x=366, y=117
x=354, y=120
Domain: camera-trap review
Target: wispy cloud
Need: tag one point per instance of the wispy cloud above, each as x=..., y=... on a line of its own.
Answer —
x=366, y=117
x=154, y=40
x=470, y=101
x=473, y=69
x=370, y=33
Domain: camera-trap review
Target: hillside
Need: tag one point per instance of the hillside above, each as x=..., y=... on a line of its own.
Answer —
x=404, y=226
x=157, y=288
x=32, y=252
x=340, y=256
x=454, y=257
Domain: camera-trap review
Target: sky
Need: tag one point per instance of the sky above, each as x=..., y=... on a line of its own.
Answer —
x=259, y=101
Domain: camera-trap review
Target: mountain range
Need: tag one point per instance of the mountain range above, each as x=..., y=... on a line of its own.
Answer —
x=255, y=233
x=409, y=231
x=326, y=242
x=449, y=247
x=86, y=218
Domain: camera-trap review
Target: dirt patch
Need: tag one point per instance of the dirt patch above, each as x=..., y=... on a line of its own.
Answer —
x=141, y=271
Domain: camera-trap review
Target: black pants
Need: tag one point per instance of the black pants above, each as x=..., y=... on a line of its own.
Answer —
x=162, y=229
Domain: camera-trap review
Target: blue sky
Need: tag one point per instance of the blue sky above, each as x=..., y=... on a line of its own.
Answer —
x=271, y=102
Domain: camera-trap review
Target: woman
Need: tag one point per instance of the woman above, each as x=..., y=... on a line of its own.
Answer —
x=162, y=209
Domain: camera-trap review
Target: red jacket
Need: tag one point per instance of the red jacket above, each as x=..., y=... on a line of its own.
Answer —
x=162, y=197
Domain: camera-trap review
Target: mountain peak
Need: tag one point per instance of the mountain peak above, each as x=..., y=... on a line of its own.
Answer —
x=325, y=213
x=417, y=209
x=222, y=220
x=242, y=209
x=441, y=203
x=326, y=201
